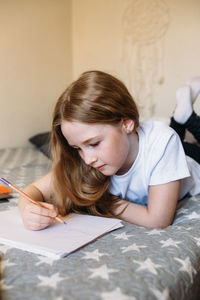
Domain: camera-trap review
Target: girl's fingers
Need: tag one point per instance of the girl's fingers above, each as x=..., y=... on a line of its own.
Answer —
x=48, y=205
x=32, y=225
x=46, y=209
x=41, y=219
x=37, y=222
x=36, y=217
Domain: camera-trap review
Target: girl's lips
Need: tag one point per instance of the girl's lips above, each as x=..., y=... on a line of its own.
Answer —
x=100, y=167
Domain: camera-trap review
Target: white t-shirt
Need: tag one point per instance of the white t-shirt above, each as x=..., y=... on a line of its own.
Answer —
x=161, y=159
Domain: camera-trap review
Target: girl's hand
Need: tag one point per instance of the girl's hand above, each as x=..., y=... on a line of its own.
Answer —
x=36, y=217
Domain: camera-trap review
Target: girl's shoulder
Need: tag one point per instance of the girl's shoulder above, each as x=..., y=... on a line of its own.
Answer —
x=156, y=138
x=153, y=129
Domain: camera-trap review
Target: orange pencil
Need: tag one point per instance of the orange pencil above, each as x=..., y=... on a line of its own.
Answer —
x=27, y=197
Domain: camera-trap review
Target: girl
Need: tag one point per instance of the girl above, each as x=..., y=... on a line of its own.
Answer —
x=107, y=164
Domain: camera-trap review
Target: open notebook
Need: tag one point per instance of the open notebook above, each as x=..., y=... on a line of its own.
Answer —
x=58, y=240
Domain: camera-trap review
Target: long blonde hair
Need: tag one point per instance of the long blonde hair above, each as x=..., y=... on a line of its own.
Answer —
x=95, y=97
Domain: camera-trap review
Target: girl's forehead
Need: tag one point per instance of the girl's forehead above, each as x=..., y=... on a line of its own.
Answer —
x=78, y=132
x=79, y=126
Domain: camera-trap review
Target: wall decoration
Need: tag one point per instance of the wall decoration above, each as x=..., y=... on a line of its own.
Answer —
x=144, y=25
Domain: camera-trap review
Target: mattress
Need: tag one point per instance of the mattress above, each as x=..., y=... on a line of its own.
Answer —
x=129, y=263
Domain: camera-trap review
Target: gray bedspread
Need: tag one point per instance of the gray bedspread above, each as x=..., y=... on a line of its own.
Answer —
x=129, y=263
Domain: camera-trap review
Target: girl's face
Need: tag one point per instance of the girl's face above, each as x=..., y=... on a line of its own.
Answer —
x=111, y=149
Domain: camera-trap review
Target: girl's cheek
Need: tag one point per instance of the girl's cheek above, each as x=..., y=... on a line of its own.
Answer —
x=81, y=154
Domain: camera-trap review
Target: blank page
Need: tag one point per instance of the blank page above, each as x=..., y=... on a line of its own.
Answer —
x=58, y=240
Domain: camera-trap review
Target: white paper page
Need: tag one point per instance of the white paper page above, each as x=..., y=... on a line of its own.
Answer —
x=57, y=240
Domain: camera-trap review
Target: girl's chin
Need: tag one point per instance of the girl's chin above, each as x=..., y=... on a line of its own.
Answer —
x=108, y=172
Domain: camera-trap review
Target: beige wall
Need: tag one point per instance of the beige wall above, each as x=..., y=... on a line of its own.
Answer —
x=153, y=46
x=35, y=65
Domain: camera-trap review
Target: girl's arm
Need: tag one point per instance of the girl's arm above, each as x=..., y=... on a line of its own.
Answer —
x=162, y=202
x=36, y=217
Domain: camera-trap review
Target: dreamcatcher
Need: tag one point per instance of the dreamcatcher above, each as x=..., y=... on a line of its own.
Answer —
x=145, y=22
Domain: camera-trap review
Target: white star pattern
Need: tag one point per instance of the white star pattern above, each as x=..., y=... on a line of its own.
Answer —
x=186, y=267
x=147, y=265
x=45, y=260
x=193, y=215
x=187, y=228
x=116, y=294
x=93, y=255
x=164, y=295
x=102, y=272
x=170, y=242
x=181, y=211
x=178, y=227
x=154, y=232
x=198, y=241
x=50, y=281
x=132, y=247
x=194, y=199
x=183, y=227
x=122, y=236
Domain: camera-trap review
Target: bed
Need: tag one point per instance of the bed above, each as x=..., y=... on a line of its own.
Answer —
x=129, y=263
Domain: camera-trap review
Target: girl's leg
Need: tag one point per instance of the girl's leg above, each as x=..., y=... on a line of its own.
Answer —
x=179, y=128
x=184, y=114
x=185, y=118
x=191, y=150
x=193, y=122
x=184, y=104
x=193, y=125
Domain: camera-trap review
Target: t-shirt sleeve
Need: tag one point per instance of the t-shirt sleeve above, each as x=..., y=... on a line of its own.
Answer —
x=168, y=161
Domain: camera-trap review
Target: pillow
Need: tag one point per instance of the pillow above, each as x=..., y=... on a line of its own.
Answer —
x=42, y=142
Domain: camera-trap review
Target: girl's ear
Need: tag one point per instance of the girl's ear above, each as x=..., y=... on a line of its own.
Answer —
x=128, y=125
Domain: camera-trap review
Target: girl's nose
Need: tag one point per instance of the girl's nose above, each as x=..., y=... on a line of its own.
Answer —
x=89, y=160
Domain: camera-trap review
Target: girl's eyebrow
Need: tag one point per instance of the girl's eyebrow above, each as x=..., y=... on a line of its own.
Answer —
x=86, y=141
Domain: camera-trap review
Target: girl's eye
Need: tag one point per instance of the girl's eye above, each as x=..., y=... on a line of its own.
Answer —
x=94, y=144
x=76, y=148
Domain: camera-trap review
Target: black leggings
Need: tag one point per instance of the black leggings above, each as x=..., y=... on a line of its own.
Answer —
x=193, y=126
